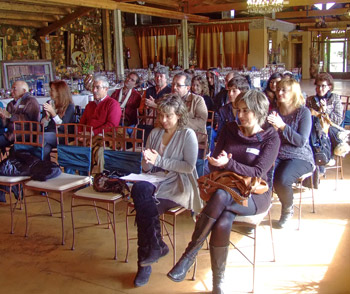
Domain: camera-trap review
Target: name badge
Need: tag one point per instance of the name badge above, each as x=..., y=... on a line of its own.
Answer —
x=20, y=106
x=253, y=151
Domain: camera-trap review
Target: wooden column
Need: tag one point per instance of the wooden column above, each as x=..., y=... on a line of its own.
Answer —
x=118, y=44
x=185, y=53
x=45, y=49
x=107, y=42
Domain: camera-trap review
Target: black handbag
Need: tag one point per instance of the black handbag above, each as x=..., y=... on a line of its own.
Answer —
x=110, y=182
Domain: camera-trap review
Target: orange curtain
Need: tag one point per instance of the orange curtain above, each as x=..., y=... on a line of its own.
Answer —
x=208, y=46
x=157, y=45
x=235, y=42
x=222, y=45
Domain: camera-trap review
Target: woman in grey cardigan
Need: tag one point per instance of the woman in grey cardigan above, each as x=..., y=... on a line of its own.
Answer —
x=171, y=149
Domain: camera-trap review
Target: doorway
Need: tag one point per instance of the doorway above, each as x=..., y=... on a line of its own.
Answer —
x=337, y=53
x=297, y=59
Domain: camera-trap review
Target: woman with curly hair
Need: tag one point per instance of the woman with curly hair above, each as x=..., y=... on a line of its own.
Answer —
x=200, y=87
x=171, y=149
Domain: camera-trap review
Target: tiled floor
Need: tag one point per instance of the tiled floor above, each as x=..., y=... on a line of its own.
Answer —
x=315, y=259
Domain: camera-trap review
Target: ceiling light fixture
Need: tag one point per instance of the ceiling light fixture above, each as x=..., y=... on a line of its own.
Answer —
x=264, y=6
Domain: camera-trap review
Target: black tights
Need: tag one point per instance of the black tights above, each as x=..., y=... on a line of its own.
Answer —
x=224, y=209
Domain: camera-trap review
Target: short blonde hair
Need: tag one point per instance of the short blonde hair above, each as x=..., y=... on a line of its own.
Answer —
x=298, y=98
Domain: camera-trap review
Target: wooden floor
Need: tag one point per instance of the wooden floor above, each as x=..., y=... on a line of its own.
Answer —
x=315, y=259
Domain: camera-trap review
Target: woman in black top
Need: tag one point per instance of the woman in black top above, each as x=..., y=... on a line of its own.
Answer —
x=58, y=110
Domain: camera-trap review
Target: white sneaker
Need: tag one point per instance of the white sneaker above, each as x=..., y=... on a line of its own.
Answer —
x=342, y=149
x=331, y=162
x=343, y=135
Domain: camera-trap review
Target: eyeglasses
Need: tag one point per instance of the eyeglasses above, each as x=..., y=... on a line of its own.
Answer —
x=179, y=85
x=322, y=86
x=98, y=87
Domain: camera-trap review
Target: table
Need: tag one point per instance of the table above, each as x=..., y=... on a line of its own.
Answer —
x=79, y=100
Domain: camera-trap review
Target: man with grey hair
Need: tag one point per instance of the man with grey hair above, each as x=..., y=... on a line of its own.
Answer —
x=104, y=111
x=197, y=110
x=161, y=75
x=23, y=107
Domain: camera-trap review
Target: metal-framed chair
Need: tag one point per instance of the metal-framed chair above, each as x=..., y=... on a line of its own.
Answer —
x=28, y=136
x=123, y=154
x=74, y=148
x=299, y=183
x=252, y=222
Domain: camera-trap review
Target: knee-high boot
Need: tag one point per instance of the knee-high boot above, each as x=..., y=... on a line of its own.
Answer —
x=202, y=229
x=143, y=272
x=218, y=256
x=157, y=247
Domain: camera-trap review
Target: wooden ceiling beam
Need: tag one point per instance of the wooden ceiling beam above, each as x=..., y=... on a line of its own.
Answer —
x=311, y=13
x=27, y=16
x=198, y=7
x=65, y=20
x=32, y=8
x=24, y=23
x=48, y=3
x=132, y=8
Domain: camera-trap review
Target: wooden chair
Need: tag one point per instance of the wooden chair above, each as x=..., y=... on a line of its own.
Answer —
x=252, y=222
x=74, y=152
x=28, y=135
x=123, y=154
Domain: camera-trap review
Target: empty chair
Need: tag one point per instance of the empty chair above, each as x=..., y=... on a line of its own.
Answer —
x=73, y=154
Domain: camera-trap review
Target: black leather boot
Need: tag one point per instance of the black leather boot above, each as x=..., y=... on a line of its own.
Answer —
x=218, y=256
x=157, y=247
x=202, y=229
x=286, y=215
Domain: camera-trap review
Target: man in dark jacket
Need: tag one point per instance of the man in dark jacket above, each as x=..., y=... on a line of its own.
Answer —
x=23, y=107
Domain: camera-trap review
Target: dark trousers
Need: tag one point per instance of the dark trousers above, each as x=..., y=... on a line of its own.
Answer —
x=4, y=142
x=286, y=173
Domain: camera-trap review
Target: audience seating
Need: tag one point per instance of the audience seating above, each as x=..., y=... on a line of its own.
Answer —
x=123, y=154
x=28, y=135
x=74, y=153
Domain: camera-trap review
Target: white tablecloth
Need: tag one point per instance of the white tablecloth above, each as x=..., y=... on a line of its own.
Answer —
x=79, y=100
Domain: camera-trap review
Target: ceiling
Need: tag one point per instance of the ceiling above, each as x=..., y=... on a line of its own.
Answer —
x=48, y=15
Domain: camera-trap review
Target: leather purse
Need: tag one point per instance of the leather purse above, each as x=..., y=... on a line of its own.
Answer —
x=239, y=187
x=109, y=182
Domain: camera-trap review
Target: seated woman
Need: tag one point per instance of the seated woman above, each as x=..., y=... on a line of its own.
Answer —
x=173, y=149
x=200, y=87
x=59, y=110
x=227, y=113
x=270, y=90
x=295, y=158
x=326, y=102
x=248, y=150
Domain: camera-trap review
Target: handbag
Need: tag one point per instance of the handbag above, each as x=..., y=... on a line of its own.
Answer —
x=239, y=187
x=110, y=182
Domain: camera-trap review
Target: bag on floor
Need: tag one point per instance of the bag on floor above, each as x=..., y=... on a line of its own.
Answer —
x=110, y=182
x=239, y=187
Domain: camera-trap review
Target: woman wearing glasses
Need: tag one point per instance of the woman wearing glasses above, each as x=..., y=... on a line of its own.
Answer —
x=292, y=120
x=327, y=102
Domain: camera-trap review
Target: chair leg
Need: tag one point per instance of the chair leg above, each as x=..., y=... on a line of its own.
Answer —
x=73, y=227
x=62, y=216
x=48, y=202
x=272, y=242
x=115, y=233
x=97, y=216
x=254, y=258
x=127, y=233
x=11, y=210
x=300, y=196
x=26, y=212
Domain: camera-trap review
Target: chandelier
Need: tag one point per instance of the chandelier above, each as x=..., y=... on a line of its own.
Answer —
x=264, y=6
